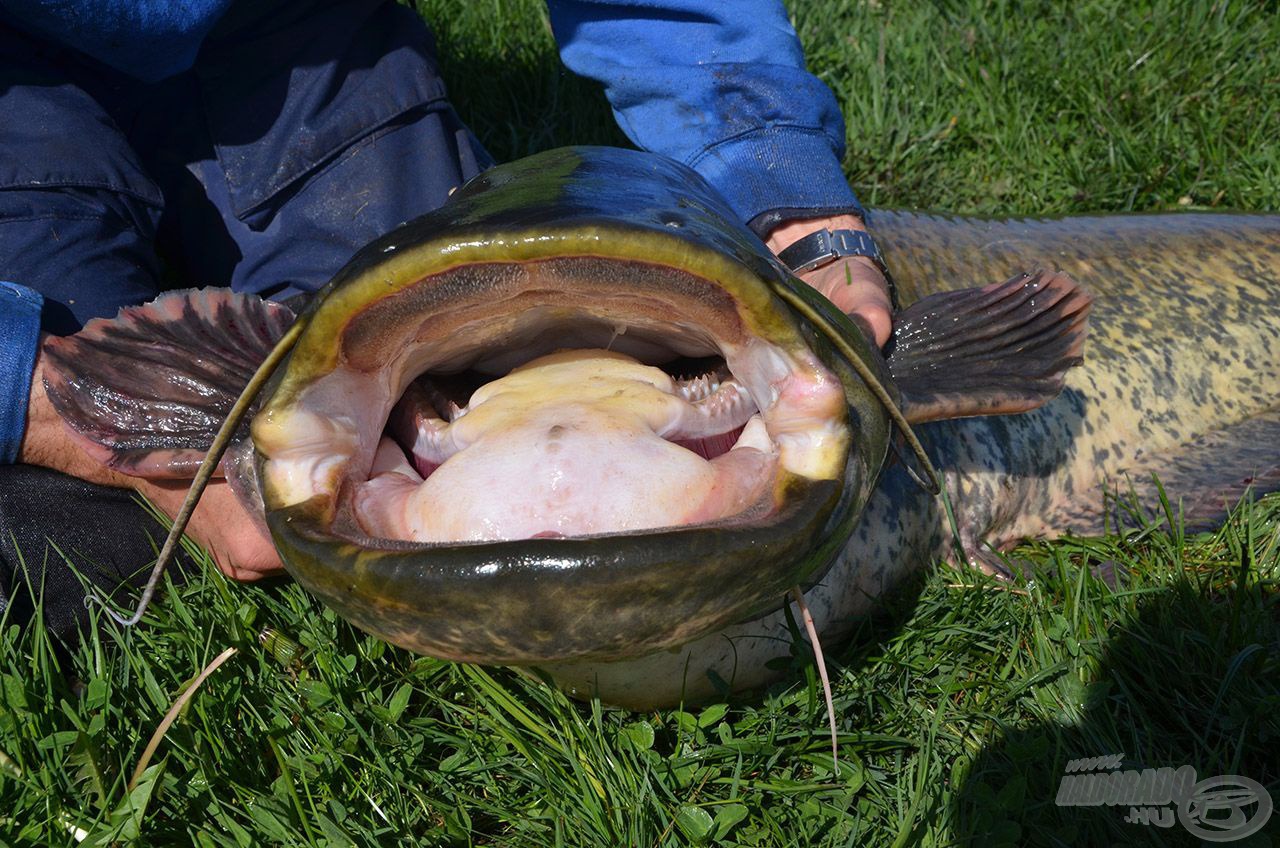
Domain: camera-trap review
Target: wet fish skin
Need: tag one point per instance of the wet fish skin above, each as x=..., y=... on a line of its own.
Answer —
x=1181, y=379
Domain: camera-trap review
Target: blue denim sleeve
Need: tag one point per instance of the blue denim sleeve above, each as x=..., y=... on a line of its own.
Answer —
x=19, y=334
x=147, y=40
x=719, y=86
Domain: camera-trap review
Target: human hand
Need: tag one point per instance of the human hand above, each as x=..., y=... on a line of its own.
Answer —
x=220, y=523
x=854, y=283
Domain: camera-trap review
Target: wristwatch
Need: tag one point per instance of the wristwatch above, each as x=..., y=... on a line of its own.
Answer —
x=826, y=246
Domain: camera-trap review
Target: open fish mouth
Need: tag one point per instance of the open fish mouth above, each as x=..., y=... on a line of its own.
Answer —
x=560, y=455
x=579, y=413
x=553, y=405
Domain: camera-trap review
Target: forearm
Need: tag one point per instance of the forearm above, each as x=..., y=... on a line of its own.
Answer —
x=721, y=87
x=31, y=432
x=787, y=233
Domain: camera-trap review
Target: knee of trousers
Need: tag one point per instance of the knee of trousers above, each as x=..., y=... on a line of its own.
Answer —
x=338, y=132
x=61, y=537
x=77, y=210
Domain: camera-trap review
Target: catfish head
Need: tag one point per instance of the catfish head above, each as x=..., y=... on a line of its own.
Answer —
x=578, y=413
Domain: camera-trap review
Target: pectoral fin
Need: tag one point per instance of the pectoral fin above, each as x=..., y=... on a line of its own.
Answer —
x=996, y=350
x=148, y=389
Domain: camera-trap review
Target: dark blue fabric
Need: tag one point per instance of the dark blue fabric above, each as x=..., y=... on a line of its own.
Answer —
x=295, y=140
x=148, y=39
x=59, y=534
x=719, y=86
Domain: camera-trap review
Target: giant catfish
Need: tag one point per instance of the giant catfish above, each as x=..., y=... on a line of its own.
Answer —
x=580, y=419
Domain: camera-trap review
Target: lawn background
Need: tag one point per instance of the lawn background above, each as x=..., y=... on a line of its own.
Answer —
x=957, y=710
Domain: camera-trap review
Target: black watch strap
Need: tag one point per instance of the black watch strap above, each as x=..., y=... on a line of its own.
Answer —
x=826, y=246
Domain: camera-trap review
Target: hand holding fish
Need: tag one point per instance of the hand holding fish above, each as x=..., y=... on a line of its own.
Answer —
x=220, y=524
x=854, y=283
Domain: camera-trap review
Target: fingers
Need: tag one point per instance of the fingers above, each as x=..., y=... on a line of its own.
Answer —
x=854, y=284
x=244, y=575
x=248, y=559
x=222, y=527
x=242, y=553
x=857, y=287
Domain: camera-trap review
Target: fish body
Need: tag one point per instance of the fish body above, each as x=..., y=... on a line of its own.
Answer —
x=1181, y=380
x=626, y=255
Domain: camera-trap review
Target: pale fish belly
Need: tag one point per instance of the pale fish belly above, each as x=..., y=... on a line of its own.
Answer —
x=1181, y=379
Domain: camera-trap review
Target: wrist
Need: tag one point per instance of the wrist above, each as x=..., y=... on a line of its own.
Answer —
x=789, y=232
x=857, y=284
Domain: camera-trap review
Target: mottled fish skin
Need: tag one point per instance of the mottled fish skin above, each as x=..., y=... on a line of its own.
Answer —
x=1181, y=378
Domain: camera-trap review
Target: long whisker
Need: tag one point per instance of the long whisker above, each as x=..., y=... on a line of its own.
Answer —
x=809, y=627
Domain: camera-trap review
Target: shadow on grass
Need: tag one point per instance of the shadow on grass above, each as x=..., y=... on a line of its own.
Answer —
x=506, y=81
x=1193, y=679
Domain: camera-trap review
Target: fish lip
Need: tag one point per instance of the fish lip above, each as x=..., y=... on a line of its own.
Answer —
x=535, y=601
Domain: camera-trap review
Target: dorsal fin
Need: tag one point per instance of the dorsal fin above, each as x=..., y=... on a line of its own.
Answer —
x=994, y=350
x=148, y=388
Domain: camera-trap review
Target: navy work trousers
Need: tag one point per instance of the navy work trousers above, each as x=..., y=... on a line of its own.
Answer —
x=303, y=131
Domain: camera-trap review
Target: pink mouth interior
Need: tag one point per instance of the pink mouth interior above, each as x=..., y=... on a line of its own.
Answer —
x=632, y=448
x=568, y=397
x=444, y=396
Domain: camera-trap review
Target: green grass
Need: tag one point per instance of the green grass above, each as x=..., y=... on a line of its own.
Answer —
x=957, y=708
x=1012, y=108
